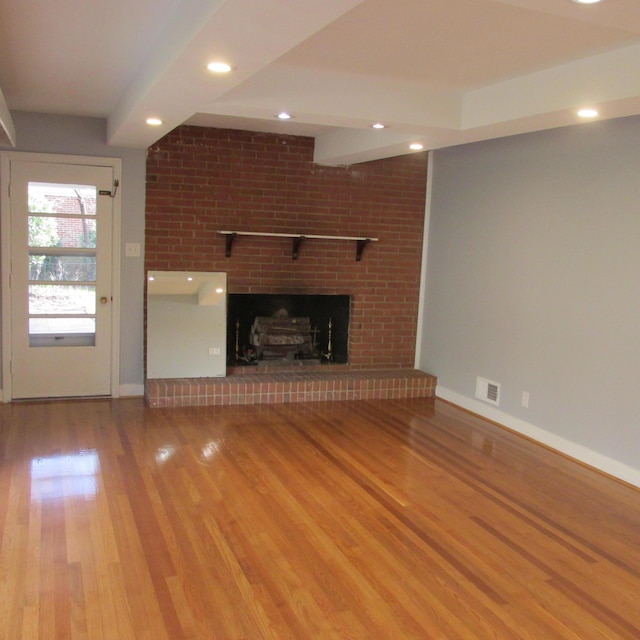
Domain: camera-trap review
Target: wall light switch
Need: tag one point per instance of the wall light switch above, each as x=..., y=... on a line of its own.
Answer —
x=214, y=351
x=132, y=249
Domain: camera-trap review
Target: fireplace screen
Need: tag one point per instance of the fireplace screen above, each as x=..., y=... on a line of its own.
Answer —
x=274, y=329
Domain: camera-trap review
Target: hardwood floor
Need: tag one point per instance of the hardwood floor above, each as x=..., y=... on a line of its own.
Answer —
x=333, y=520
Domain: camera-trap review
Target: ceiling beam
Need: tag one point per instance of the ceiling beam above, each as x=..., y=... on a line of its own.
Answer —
x=173, y=82
x=565, y=87
x=7, y=129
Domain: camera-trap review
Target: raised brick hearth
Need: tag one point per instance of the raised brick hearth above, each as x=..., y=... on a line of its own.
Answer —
x=306, y=386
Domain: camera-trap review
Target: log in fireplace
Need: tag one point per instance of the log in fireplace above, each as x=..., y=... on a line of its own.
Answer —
x=280, y=328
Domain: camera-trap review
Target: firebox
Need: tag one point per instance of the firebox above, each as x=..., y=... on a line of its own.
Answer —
x=281, y=328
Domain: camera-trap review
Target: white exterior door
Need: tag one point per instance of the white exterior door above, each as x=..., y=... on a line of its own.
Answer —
x=60, y=279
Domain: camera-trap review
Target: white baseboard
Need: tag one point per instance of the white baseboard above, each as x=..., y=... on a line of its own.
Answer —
x=573, y=450
x=131, y=390
x=124, y=391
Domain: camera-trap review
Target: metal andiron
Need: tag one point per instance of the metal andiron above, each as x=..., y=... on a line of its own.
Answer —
x=329, y=354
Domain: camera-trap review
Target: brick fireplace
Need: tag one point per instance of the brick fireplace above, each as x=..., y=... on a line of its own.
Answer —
x=201, y=181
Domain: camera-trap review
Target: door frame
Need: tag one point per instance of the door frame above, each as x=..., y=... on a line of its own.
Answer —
x=6, y=157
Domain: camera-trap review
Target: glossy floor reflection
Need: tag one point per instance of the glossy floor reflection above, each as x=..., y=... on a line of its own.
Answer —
x=65, y=476
x=362, y=520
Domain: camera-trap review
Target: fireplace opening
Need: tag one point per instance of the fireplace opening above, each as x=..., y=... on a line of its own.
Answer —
x=283, y=328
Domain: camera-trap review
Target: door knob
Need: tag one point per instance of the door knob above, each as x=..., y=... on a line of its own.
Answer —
x=104, y=300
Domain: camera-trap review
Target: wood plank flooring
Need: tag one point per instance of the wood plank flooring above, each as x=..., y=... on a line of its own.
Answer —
x=390, y=519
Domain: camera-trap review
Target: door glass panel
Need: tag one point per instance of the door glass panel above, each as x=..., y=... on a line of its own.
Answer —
x=62, y=332
x=70, y=199
x=67, y=268
x=59, y=299
x=62, y=325
x=62, y=232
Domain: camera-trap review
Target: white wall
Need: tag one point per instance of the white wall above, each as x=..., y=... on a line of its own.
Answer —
x=180, y=333
x=533, y=281
x=69, y=135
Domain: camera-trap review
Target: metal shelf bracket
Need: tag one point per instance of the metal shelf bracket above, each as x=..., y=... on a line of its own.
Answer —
x=298, y=239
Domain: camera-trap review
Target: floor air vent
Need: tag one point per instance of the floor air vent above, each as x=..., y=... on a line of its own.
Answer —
x=488, y=390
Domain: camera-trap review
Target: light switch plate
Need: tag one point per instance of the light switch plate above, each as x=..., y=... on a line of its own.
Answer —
x=132, y=249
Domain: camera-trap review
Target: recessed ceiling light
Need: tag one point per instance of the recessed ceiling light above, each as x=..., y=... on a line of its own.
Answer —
x=378, y=125
x=154, y=122
x=586, y=1
x=416, y=146
x=219, y=67
x=587, y=113
x=283, y=115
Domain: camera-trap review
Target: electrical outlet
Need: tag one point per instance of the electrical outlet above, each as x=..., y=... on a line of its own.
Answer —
x=524, y=400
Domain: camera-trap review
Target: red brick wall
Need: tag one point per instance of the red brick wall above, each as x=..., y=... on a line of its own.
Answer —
x=201, y=180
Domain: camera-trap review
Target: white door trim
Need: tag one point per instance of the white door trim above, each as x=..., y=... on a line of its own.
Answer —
x=6, y=157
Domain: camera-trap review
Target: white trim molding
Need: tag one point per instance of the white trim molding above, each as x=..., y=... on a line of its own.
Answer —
x=423, y=266
x=571, y=449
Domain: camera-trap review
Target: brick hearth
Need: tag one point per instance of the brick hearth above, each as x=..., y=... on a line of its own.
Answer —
x=307, y=386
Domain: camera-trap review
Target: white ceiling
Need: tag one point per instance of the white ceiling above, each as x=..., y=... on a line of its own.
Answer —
x=440, y=72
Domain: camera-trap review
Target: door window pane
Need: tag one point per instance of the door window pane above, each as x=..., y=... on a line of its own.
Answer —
x=62, y=299
x=61, y=325
x=69, y=199
x=57, y=231
x=62, y=268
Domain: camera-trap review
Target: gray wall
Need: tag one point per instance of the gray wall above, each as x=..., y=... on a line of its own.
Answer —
x=87, y=137
x=533, y=281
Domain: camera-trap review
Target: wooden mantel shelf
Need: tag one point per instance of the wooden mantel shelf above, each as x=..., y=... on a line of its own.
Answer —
x=298, y=238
